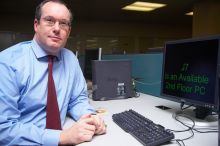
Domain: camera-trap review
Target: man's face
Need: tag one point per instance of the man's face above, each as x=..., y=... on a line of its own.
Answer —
x=53, y=28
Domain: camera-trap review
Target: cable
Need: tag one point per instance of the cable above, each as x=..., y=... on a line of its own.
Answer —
x=137, y=94
x=189, y=128
x=210, y=130
x=178, y=141
x=182, y=104
x=152, y=83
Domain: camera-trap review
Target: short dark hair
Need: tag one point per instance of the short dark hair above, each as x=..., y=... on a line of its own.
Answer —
x=38, y=11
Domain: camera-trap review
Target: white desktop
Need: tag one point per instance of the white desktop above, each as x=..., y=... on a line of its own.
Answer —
x=145, y=105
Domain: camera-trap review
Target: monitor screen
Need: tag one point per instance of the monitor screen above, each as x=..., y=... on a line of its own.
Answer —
x=190, y=72
x=90, y=55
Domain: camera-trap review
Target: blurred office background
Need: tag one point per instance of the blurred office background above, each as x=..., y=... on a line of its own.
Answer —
x=102, y=23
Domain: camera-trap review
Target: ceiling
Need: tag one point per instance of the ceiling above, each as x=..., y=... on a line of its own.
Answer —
x=109, y=10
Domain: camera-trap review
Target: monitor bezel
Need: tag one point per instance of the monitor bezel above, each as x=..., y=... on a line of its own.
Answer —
x=212, y=106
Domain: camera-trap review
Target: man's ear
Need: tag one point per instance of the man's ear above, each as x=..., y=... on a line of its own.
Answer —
x=36, y=23
x=69, y=31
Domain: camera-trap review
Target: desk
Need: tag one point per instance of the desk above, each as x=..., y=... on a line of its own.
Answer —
x=145, y=105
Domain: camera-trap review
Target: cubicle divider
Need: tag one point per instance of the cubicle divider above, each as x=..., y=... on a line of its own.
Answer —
x=146, y=70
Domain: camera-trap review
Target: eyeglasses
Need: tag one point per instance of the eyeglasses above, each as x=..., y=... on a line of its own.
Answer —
x=51, y=21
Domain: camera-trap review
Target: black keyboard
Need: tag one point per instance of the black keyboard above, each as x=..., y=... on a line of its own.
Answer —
x=143, y=129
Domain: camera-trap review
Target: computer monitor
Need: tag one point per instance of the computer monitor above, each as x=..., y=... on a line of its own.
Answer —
x=90, y=55
x=190, y=75
x=112, y=80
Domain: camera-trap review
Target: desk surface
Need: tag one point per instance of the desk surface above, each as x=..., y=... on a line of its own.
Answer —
x=145, y=105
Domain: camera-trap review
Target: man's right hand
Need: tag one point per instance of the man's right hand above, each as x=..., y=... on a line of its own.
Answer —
x=83, y=130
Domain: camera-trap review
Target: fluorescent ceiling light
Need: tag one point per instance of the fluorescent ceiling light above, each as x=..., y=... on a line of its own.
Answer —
x=190, y=13
x=147, y=4
x=143, y=6
x=135, y=8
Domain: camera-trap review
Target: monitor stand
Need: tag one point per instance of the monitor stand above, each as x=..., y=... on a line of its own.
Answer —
x=201, y=121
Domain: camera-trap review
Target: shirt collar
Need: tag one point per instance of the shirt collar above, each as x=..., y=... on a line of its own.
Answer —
x=39, y=52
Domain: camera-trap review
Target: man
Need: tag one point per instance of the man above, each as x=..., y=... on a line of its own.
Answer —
x=24, y=84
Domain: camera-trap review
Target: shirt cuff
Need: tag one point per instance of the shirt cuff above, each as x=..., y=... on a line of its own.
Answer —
x=51, y=137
